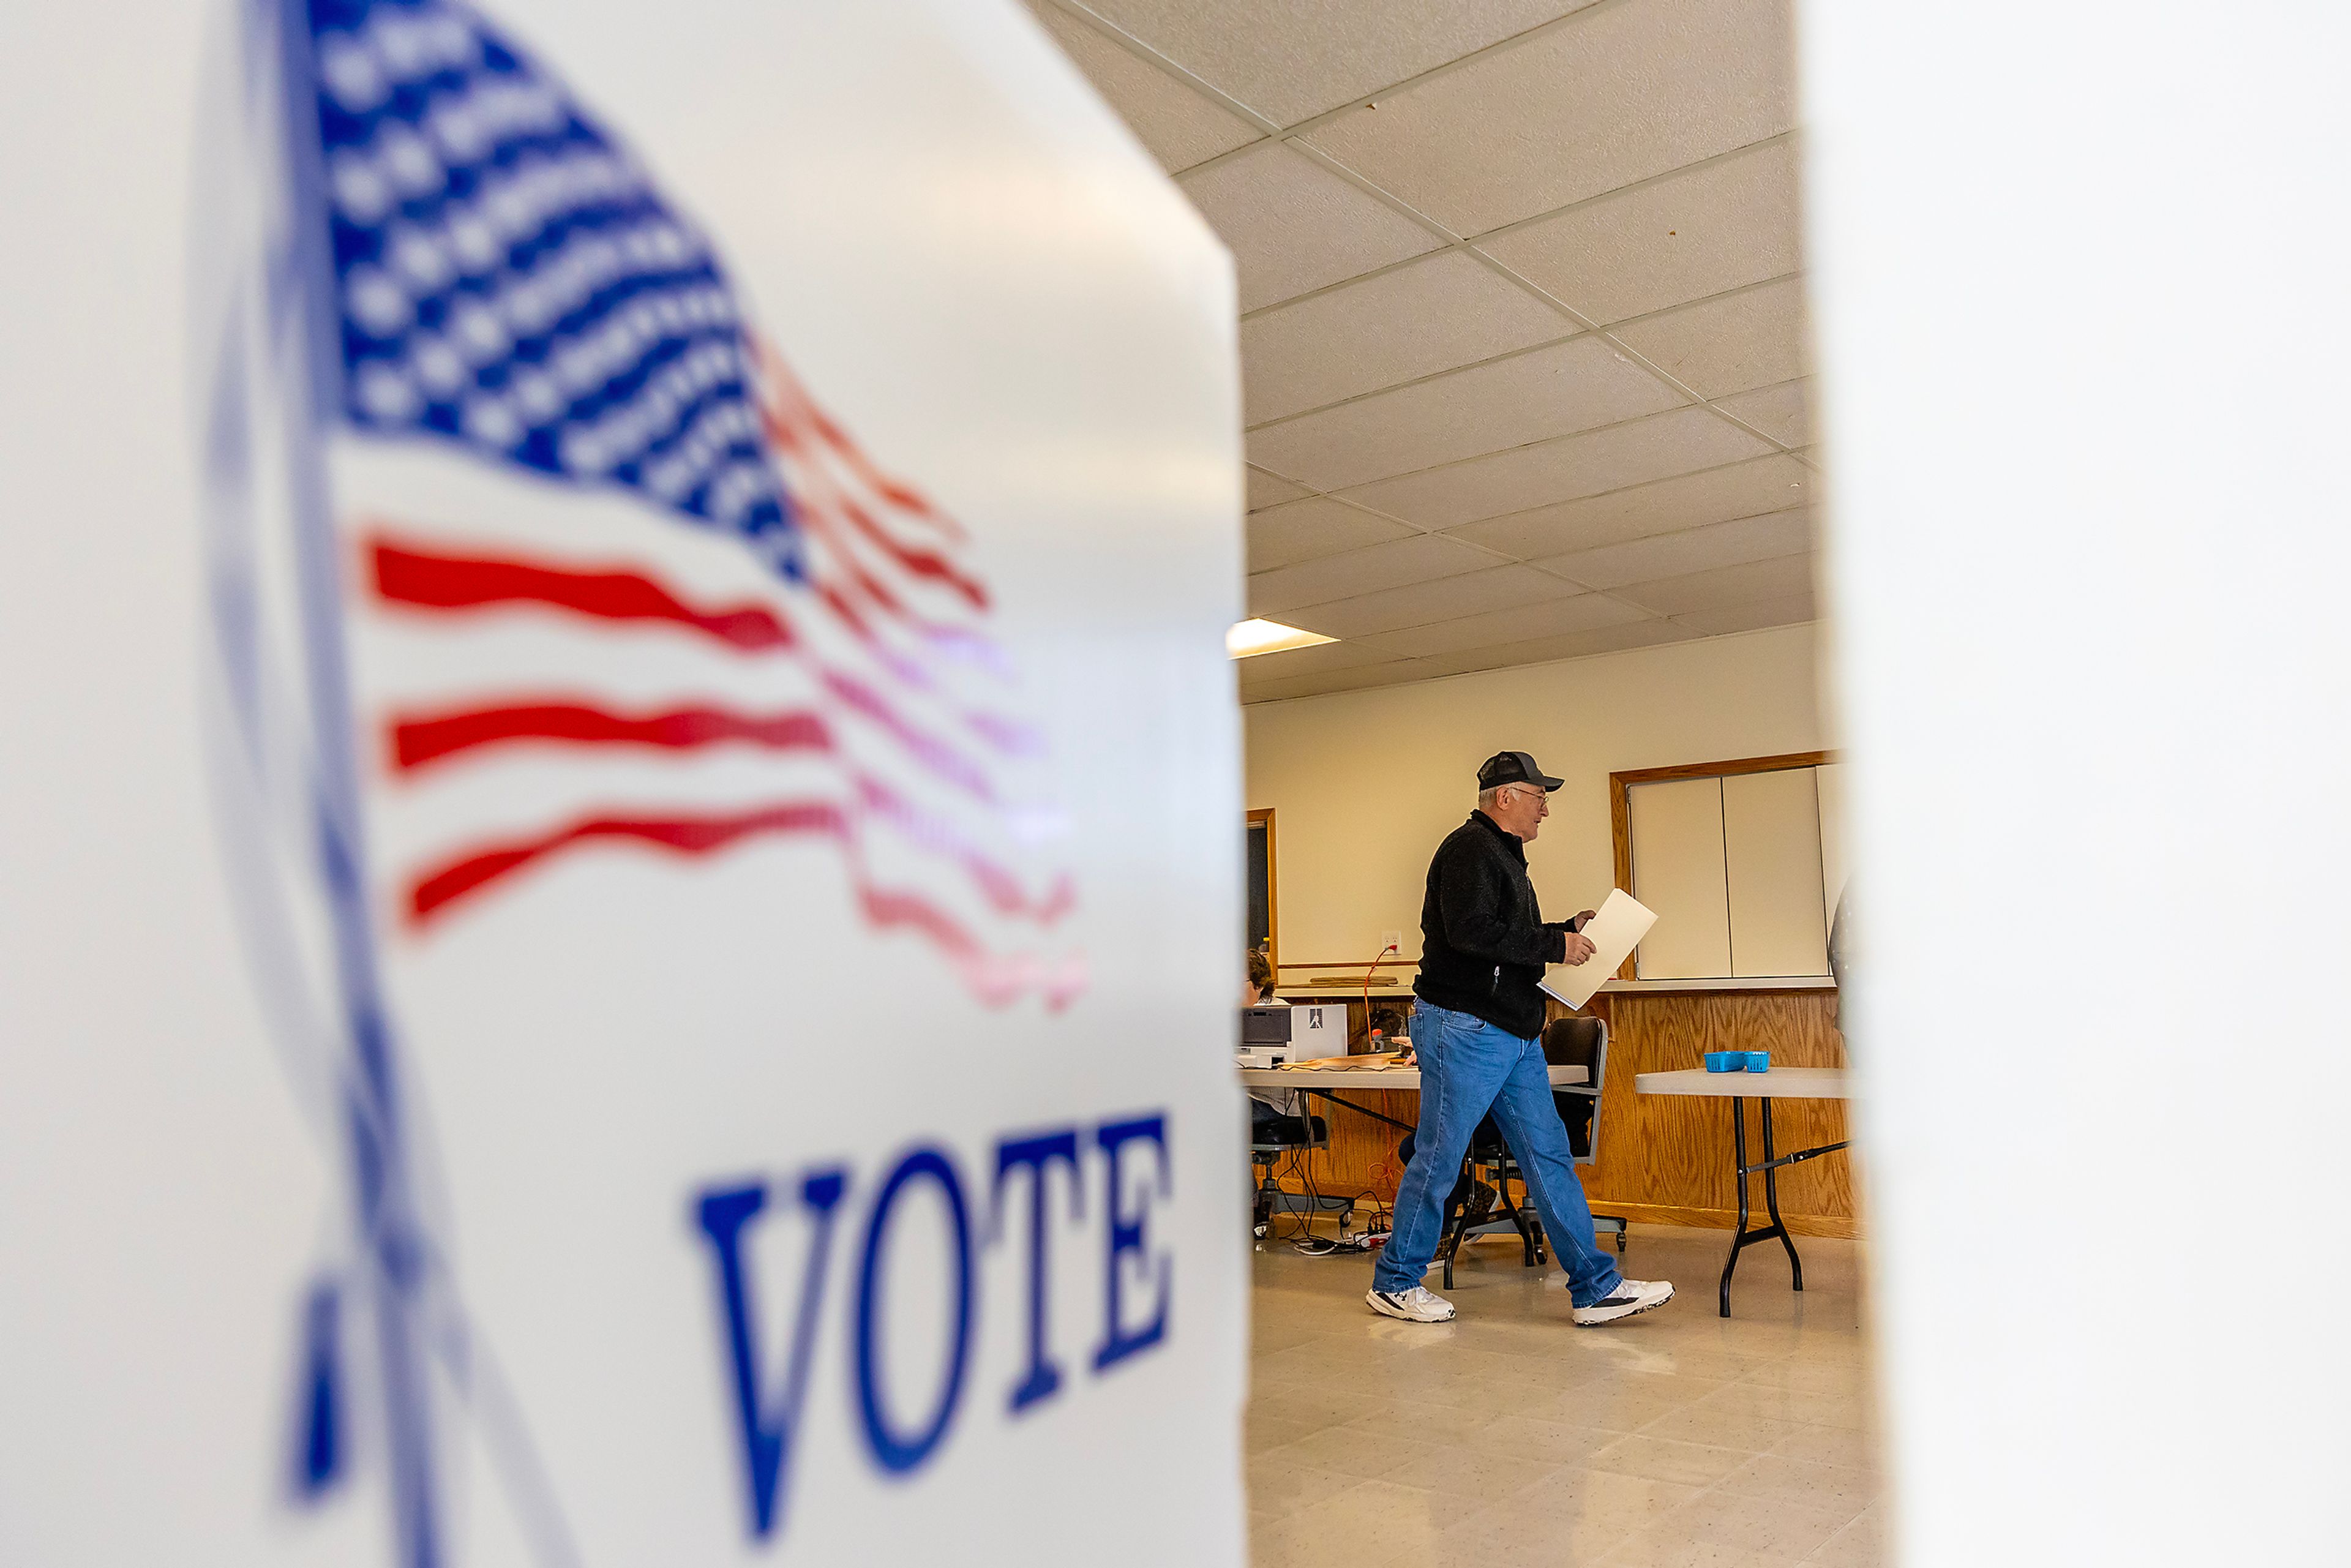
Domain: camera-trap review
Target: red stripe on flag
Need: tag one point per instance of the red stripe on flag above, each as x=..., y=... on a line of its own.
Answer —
x=407, y=575
x=421, y=742
x=899, y=494
x=911, y=559
x=418, y=741
x=830, y=596
x=785, y=390
x=942, y=759
x=966, y=646
x=821, y=528
x=414, y=577
x=1002, y=888
x=996, y=980
x=687, y=835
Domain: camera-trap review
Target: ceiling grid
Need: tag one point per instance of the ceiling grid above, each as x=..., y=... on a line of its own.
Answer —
x=1402, y=184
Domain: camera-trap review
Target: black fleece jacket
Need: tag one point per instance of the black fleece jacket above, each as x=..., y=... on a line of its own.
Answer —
x=1483, y=939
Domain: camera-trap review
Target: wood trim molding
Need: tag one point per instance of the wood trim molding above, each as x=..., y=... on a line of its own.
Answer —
x=1620, y=806
x=1272, y=891
x=1620, y=835
x=1780, y=764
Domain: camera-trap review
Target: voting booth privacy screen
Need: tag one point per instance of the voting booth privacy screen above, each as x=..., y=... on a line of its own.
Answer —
x=619, y=796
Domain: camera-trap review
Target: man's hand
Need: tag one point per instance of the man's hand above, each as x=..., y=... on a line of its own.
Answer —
x=1579, y=948
x=1582, y=920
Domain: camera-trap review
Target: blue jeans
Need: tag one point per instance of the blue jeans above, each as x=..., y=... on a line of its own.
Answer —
x=1468, y=1066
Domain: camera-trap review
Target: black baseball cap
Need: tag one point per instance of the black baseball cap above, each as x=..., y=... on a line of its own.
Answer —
x=1514, y=767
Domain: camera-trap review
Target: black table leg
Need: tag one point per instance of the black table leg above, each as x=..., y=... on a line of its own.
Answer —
x=1771, y=1198
x=1737, y=1163
x=1742, y=1236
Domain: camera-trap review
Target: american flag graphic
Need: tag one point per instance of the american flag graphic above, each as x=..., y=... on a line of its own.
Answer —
x=623, y=588
x=534, y=568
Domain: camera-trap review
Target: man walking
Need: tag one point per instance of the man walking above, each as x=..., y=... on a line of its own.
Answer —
x=1475, y=1029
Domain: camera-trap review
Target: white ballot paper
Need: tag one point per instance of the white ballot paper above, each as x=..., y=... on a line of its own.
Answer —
x=1614, y=932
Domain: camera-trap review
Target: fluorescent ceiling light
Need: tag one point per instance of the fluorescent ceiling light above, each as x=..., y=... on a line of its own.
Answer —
x=1252, y=637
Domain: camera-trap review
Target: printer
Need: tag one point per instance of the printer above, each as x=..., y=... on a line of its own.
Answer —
x=1273, y=1036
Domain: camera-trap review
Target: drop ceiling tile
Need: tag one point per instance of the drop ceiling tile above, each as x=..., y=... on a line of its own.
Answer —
x=1302, y=530
x=1394, y=673
x=1658, y=446
x=1719, y=226
x=1436, y=314
x=1497, y=588
x=1565, y=646
x=1294, y=225
x=1730, y=344
x=1290, y=59
x=1791, y=609
x=1181, y=127
x=1690, y=549
x=1382, y=565
x=1487, y=628
x=1783, y=412
x=1577, y=386
x=1271, y=490
x=1748, y=489
x=1323, y=658
x=1724, y=587
x=1617, y=95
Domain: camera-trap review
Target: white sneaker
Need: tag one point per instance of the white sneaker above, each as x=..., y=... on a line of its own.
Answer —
x=1630, y=1296
x=1418, y=1305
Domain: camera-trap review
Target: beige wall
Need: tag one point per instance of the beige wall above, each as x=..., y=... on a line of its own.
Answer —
x=1363, y=784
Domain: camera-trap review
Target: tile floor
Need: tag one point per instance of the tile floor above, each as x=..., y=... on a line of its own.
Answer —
x=1507, y=1436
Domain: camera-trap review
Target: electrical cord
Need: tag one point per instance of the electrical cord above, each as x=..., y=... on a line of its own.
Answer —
x=1306, y=1162
x=1375, y=964
x=1299, y=1166
x=1307, y=1241
x=1368, y=1201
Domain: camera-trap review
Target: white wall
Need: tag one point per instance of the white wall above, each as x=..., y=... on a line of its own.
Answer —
x=1363, y=784
x=2078, y=271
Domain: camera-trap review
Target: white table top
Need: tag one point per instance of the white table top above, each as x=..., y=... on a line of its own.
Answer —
x=1357, y=1078
x=1779, y=1083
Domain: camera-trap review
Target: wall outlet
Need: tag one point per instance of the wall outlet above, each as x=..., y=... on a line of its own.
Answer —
x=1392, y=939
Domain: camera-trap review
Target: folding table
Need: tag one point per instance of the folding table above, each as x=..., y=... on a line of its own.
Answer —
x=1778, y=1084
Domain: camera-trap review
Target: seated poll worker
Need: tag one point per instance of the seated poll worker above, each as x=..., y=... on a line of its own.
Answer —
x=1269, y=1108
x=1476, y=1029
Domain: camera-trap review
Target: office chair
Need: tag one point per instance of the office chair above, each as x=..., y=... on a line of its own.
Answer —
x=1299, y=1134
x=1574, y=1041
x=1583, y=1042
